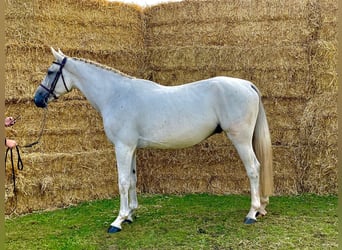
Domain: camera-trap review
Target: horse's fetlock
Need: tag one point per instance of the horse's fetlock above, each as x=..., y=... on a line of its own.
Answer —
x=133, y=205
x=256, y=205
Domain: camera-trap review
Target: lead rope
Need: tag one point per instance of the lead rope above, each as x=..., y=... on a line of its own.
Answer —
x=20, y=164
x=41, y=131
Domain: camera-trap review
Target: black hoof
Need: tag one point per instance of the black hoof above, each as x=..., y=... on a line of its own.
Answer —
x=257, y=214
x=127, y=221
x=249, y=221
x=113, y=230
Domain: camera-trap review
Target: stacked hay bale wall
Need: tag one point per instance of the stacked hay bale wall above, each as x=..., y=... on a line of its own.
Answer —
x=278, y=45
x=319, y=122
x=74, y=160
x=287, y=48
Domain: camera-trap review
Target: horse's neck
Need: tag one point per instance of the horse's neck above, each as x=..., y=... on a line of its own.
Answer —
x=98, y=85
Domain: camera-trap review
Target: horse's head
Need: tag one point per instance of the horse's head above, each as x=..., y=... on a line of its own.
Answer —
x=54, y=84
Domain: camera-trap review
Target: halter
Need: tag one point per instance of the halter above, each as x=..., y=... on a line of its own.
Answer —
x=55, y=80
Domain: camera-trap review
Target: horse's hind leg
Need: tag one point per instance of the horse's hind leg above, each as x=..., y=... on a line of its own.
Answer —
x=264, y=202
x=243, y=144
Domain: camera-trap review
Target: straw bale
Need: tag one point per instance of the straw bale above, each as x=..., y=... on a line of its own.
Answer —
x=223, y=33
x=284, y=115
x=319, y=156
x=112, y=32
x=218, y=171
x=328, y=29
x=231, y=11
x=92, y=10
x=23, y=70
x=320, y=120
x=211, y=166
x=323, y=66
x=55, y=21
x=90, y=175
x=323, y=18
x=70, y=126
x=19, y=30
x=25, y=73
x=228, y=58
x=94, y=36
x=328, y=26
x=286, y=167
x=291, y=83
x=319, y=174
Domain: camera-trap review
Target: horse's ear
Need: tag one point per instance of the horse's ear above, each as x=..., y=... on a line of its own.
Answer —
x=60, y=52
x=57, y=55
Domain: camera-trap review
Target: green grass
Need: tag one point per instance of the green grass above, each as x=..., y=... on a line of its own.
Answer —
x=182, y=222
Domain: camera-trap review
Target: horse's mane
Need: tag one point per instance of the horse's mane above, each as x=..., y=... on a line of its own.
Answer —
x=96, y=64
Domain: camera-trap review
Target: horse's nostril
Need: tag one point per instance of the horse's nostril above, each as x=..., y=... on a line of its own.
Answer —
x=40, y=101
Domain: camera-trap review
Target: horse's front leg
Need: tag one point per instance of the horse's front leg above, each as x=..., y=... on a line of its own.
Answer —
x=124, y=158
x=133, y=200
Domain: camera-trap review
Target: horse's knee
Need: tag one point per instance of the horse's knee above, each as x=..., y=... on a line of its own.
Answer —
x=124, y=185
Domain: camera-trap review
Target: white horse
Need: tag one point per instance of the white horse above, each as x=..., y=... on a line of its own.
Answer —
x=139, y=113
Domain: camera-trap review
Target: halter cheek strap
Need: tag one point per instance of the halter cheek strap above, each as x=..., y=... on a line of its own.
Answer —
x=55, y=80
x=60, y=71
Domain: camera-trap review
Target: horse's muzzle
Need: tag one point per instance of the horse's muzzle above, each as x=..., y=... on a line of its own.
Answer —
x=41, y=99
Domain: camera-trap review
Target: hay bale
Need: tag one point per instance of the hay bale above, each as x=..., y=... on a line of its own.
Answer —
x=284, y=115
x=277, y=71
x=319, y=153
x=54, y=22
x=211, y=166
x=113, y=32
x=73, y=142
x=323, y=66
x=323, y=18
x=228, y=58
x=221, y=32
x=231, y=11
x=259, y=41
x=220, y=171
x=26, y=67
x=291, y=58
x=286, y=167
x=70, y=126
x=43, y=183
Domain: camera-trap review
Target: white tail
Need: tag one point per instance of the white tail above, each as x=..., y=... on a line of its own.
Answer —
x=263, y=150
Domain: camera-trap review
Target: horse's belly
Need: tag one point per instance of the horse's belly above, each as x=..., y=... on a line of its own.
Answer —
x=168, y=144
x=175, y=139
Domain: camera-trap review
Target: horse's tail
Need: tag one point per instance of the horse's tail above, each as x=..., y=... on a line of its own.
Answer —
x=263, y=150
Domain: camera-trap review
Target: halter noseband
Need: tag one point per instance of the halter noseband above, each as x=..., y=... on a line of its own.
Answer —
x=55, y=80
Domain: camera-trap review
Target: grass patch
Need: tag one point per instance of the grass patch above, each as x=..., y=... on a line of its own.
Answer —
x=182, y=222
